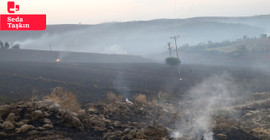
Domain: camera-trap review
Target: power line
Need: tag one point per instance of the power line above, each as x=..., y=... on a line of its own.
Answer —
x=170, y=48
x=175, y=41
x=175, y=38
x=50, y=47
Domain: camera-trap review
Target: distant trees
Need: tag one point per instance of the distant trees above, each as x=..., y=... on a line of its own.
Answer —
x=245, y=37
x=172, y=61
x=186, y=45
x=1, y=45
x=243, y=46
x=7, y=45
x=240, y=50
x=263, y=35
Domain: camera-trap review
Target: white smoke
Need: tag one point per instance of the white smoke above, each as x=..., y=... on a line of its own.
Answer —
x=120, y=84
x=76, y=41
x=201, y=100
x=115, y=49
x=56, y=42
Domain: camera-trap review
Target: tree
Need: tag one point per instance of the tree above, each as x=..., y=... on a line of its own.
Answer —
x=245, y=37
x=6, y=46
x=1, y=45
x=240, y=50
x=263, y=36
x=172, y=61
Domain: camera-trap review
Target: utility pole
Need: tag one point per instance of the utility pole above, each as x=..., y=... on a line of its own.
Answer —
x=178, y=65
x=50, y=46
x=170, y=48
x=175, y=38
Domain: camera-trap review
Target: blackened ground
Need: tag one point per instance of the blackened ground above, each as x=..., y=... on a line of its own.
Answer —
x=91, y=81
x=234, y=134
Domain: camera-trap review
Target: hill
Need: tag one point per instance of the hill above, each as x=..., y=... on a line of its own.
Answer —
x=248, y=52
x=139, y=37
x=18, y=55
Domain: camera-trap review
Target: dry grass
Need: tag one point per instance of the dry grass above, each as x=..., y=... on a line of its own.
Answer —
x=65, y=99
x=164, y=96
x=141, y=99
x=261, y=133
x=112, y=97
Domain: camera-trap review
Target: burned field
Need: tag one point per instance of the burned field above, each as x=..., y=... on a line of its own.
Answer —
x=210, y=102
x=91, y=82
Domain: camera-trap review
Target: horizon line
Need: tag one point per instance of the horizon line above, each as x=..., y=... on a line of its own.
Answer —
x=161, y=19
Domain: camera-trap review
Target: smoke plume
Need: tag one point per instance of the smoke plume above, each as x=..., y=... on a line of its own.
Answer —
x=211, y=94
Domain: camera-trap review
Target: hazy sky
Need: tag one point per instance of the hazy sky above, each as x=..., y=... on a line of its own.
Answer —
x=98, y=11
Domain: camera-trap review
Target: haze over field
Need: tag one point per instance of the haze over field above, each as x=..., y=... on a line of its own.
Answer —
x=139, y=37
x=92, y=11
x=109, y=69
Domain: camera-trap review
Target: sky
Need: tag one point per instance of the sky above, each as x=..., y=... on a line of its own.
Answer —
x=99, y=11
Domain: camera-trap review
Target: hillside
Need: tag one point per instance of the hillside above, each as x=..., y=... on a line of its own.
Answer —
x=248, y=52
x=139, y=37
x=18, y=55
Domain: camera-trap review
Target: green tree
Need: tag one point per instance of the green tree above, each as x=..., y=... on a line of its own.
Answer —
x=172, y=61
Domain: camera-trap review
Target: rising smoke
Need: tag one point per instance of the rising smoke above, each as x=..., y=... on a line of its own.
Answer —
x=75, y=41
x=121, y=86
x=115, y=49
x=201, y=101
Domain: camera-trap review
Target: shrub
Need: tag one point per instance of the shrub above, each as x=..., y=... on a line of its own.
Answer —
x=164, y=96
x=112, y=97
x=141, y=99
x=172, y=61
x=65, y=99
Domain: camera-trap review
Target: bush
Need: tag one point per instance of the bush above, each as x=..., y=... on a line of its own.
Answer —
x=65, y=99
x=172, y=61
x=164, y=96
x=111, y=97
x=141, y=99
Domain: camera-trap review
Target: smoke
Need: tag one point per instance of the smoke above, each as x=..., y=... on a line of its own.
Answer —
x=55, y=41
x=211, y=94
x=62, y=54
x=115, y=49
x=121, y=85
x=76, y=40
x=262, y=67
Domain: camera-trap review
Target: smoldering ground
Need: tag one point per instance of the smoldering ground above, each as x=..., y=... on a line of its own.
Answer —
x=199, y=104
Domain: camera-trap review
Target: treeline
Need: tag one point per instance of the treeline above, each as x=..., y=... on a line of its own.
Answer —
x=7, y=45
x=242, y=46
